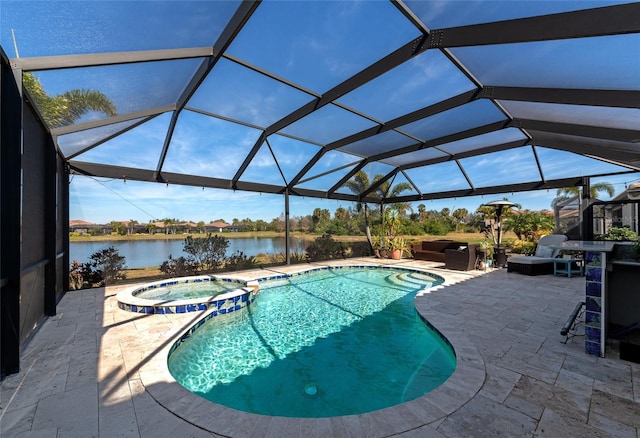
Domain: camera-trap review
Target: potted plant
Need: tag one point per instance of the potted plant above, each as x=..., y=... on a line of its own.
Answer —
x=398, y=245
x=380, y=246
x=485, y=248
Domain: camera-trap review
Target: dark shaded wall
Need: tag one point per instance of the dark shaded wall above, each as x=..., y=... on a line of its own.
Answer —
x=33, y=222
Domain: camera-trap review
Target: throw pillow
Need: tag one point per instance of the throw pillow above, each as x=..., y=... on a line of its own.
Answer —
x=544, y=251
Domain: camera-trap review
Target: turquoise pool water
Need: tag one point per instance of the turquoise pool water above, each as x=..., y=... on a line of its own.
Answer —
x=326, y=343
x=188, y=291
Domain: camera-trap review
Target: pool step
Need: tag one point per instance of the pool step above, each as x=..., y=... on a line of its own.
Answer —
x=410, y=280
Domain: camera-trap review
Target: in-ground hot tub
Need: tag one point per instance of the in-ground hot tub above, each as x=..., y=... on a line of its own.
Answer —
x=189, y=294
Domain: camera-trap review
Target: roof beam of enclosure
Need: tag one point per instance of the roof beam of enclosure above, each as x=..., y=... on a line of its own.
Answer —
x=479, y=191
x=430, y=110
x=491, y=127
x=375, y=185
x=376, y=69
x=100, y=59
x=396, y=123
x=135, y=174
x=348, y=176
x=610, y=98
x=616, y=134
x=56, y=132
x=467, y=154
x=621, y=154
x=110, y=137
x=240, y=17
x=609, y=20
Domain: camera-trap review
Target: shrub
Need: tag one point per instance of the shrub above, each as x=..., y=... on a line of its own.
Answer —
x=206, y=253
x=523, y=247
x=75, y=276
x=325, y=248
x=360, y=249
x=104, y=267
x=179, y=267
x=238, y=261
x=620, y=233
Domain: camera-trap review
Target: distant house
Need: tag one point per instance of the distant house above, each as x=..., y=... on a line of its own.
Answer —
x=217, y=227
x=81, y=227
x=622, y=211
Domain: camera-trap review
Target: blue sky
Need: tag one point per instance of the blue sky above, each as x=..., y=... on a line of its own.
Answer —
x=312, y=55
x=107, y=200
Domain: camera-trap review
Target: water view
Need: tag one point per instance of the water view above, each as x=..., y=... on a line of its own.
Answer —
x=143, y=253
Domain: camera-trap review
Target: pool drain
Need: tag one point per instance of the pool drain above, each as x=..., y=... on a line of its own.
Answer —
x=311, y=390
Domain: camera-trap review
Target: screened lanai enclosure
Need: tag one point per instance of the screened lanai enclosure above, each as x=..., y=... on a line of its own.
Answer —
x=455, y=98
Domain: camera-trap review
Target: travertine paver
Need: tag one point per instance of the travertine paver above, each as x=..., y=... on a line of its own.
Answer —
x=95, y=370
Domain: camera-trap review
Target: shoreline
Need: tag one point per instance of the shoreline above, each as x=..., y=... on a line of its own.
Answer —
x=235, y=235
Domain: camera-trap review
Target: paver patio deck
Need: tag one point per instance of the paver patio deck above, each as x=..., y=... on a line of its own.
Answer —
x=95, y=370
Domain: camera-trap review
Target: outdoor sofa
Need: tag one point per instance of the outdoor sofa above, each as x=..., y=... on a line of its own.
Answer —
x=542, y=261
x=463, y=258
x=434, y=250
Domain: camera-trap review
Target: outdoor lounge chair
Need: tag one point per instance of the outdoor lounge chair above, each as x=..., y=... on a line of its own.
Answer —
x=542, y=261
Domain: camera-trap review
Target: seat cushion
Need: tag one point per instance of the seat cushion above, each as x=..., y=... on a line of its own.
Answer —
x=530, y=260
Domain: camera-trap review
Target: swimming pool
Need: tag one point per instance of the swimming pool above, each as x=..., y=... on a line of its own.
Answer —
x=329, y=342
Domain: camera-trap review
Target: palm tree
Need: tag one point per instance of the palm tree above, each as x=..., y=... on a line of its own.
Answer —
x=458, y=215
x=566, y=193
x=358, y=184
x=66, y=108
x=385, y=190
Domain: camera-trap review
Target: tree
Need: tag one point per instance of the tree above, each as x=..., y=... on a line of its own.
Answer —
x=118, y=227
x=132, y=223
x=459, y=214
x=385, y=190
x=422, y=212
x=566, y=193
x=341, y=214
x=66, y=108
x=358, y=184
x=491, y=220
x=529, y=225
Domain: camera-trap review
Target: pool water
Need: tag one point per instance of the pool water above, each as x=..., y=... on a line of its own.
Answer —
x=188, y=291
x=327, y=343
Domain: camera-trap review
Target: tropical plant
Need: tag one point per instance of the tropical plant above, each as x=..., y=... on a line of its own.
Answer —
x=620, y=234
x=529, y=225
x=361, y=183
x=66, y=108
x=458, y=215
x=398, y=242
x=358, y=184
x=489, y=214
x=132, y=224
x=566, y=193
